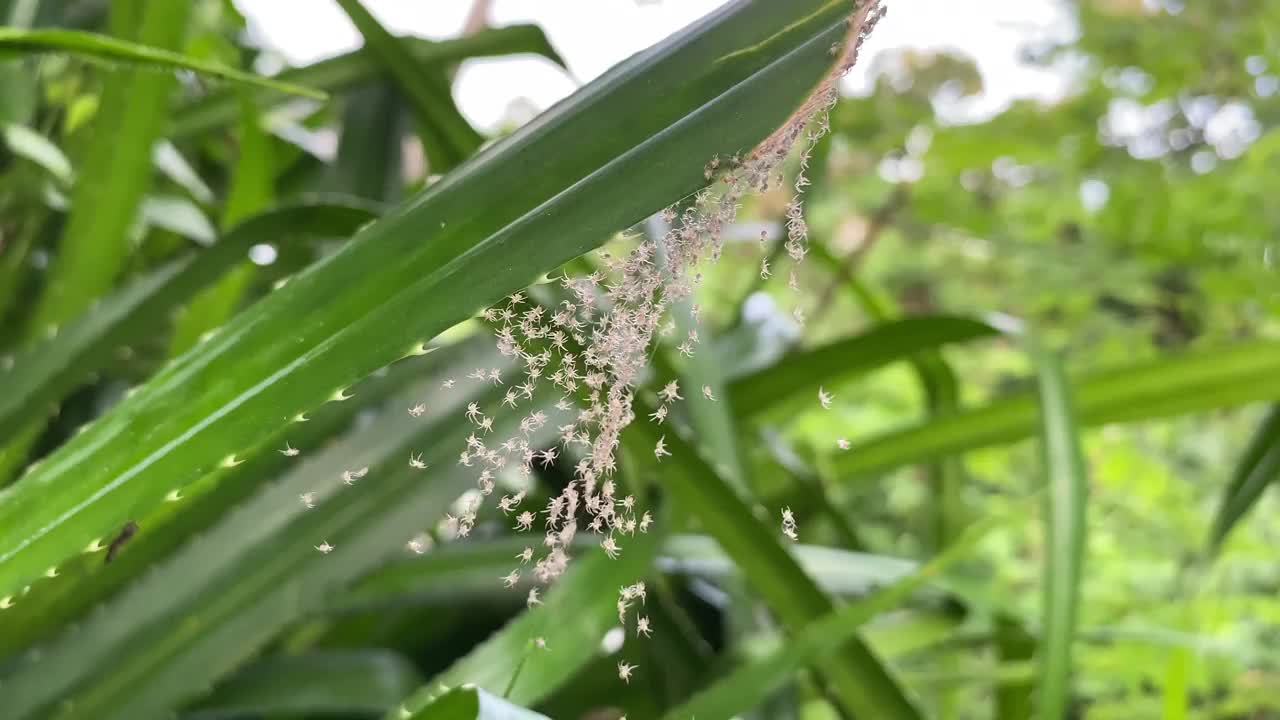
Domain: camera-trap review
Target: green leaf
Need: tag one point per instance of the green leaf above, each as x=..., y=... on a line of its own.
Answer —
x=353, y=69
x=169, y=161
x=252, y=190
x=178, y=215
x=472, y=704
x=1175, y=685
x=622, y=147
x=1064, y=534
x=46, y=372
x=1179, y=384
x=886, y=343
x=446, y=136
x=31, y=145
x=1258, y=467
x=855, y=675
x=363, y=682
x=712, y=422
x=457, y=573
x=511, y=658
x=221, y=598
x=116, y=172
x=87, y=581
x=105, y=47
x=750, y=684
x=839, y=572
x=370, y=152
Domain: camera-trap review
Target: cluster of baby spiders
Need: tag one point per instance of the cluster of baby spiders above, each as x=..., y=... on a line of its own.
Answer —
x=592, y=347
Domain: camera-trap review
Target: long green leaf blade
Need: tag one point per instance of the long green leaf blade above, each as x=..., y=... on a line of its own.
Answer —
x=1193, y=382
x=886, y=343
x=42, y=375
x=1258, y=467
x=320, y=683
x=342, y=73
x=222, y=597
x=856, y=676
x=471, y=704
x=1064, y=534
x=88, y=581
x=79, y=42
x=446, y=135
x=512, y=658
x=750, y=684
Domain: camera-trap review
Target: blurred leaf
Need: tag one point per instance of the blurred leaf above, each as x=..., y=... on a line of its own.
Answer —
x=472, y=704
x=77, y=42
x=840, y=572
x=749, y=685
x=169, y=160
x=364, y=682
x=108, y=197
x=571, y=621
x=1257, y=468
x=370, y=148
x=178, y=215
x=356, y=68
x=116, y=172
x=804, y=372
x=252, y=190
x=855, y=675
x=1175, y=685
x=1173, y=385
x=1066, y=498
x=46, y=372
x=446, y=136
x=31, y=145
x=542, y=195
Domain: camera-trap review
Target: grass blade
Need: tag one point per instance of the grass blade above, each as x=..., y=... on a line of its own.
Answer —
x=370, y=151
x=1192, y=382
x=105, y=47
x=1064, y=534
x=750, y=684
x=345, y=72
x=42, y=375
x=116, y=172
x=362, y=682
x=51, y=606
x=471, y=704
x=586, y=594
x=802, y=373
x=224, y=596
x=446, y=136
x=252, y=191
x=1258, y=467
x=856, y=676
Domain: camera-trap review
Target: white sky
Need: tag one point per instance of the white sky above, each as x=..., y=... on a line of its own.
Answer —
x=593, y=35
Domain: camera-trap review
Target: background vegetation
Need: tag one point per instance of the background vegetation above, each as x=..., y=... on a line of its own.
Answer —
x=1049, y=335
